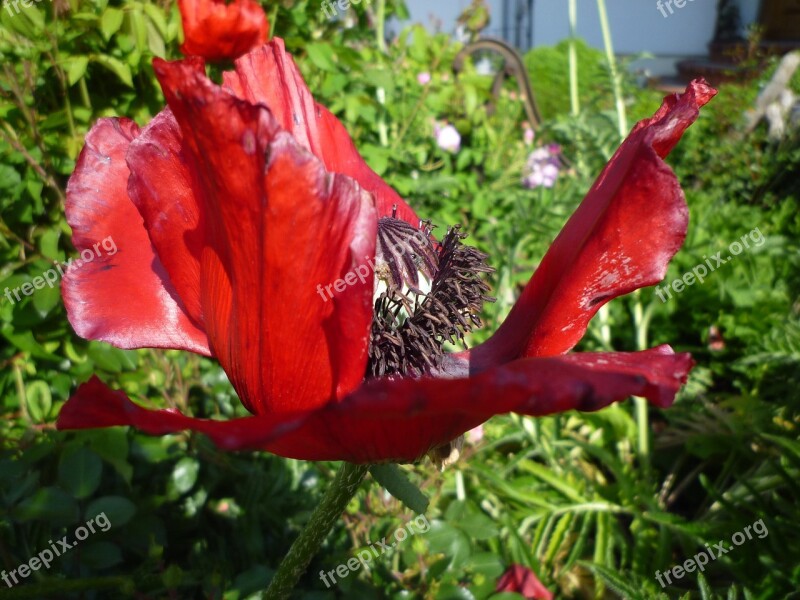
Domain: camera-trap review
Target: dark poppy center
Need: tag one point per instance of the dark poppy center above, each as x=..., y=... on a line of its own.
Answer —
x=426, y=293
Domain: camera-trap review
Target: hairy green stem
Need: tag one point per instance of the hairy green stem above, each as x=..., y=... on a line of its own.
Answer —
x=380, y=25
x=307, y=544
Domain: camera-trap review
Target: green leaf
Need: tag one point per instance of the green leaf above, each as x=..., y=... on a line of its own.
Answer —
x=117, y=509
x=46, y=299
x=156, y=16
x=377, y=157
x=76, y=68
x=48, y=244
x=321, y=55
x=557, y=537
x=251, y=581
x=27, y=343
x=398, y=485
x=118, y=68
x=617, y=582
x=553, y=480
x=9, y=177
x=80, y=471
x=48, y=504
x=451, y=542
x=468, y=518
x=110, y=22
x=487, y=563
x=184, y=476
x=706, y=593
x=39, y=400
x=380, y=77
x=113, y=360
x=138, y=28
x=101, y=555
x=112, y=446
x=155, y=42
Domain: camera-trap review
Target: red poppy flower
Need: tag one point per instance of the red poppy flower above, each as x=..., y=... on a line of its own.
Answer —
x=523, y=581
x=245, y=218
x=218, y=31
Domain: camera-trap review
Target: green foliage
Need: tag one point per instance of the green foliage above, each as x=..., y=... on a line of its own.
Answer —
x=567, y=496
x=549, y=71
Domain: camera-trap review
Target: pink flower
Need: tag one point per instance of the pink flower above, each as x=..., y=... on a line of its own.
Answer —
x=448, y=138
x=424, y=78
x=475, y=435
x=529, y=136
x=542, y=167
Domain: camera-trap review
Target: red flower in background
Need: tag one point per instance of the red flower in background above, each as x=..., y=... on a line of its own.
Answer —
x=236, y=204
x=523, y=581
x=219, y=31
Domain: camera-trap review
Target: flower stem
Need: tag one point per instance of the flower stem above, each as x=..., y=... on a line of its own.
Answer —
x=574, y=102
x=307, y=544
x=273, y=19
x=640, y=324
x=380, y=25
x=616, y=77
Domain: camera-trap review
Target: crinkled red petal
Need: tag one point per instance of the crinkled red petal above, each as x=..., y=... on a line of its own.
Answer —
x=269, y=75
x=162, y=186
x=119, y=292
x=621, y=238
x=279, y=229
x=401, y=420
x=217, y=30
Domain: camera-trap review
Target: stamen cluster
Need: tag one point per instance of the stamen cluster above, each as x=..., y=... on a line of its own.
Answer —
x=410, y=324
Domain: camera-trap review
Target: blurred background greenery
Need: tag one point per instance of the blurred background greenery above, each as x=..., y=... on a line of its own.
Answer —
x=575, y=497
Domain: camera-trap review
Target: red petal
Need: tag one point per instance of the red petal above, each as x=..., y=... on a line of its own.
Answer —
x=621, y=238
x=94, y=405
x=279, y=228
x=270, y=76
x=403, y=419
x=523, y=581
x=219, y=31
x=162, y=187
x=122, y=295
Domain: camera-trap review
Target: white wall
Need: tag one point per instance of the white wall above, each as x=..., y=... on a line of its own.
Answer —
x=636, y=25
